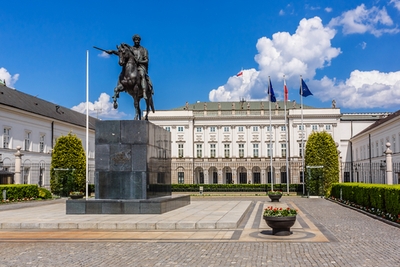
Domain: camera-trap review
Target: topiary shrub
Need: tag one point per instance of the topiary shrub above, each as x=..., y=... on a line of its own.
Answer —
x=321, y=151
x=68, y=166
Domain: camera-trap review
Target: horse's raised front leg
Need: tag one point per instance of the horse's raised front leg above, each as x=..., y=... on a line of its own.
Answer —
x=117, y=90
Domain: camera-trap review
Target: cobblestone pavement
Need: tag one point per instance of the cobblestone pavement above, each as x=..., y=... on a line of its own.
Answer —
x=355, y=240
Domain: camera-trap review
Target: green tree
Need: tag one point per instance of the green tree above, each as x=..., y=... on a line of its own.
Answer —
x=68, y=166
x=321, y=151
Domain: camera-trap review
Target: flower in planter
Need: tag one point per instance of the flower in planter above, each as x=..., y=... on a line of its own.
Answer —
x=279, y=212
x=274, y=192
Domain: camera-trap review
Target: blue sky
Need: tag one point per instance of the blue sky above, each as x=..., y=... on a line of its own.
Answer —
x=345, y=50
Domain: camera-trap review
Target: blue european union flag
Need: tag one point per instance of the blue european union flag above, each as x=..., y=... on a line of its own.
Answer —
x=271, y=92
x=304, y=91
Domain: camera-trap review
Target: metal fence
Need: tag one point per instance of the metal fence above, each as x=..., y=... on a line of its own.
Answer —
x=368, y=172
x=39, y=173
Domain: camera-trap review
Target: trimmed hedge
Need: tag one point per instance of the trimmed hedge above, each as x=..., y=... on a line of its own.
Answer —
x=234, y=187
x=19, y=191
x=378, y=196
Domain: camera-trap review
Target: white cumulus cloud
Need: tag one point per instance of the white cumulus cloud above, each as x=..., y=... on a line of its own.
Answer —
x=396, y=4
x=301, y=53
x=102, y=108
x=363, y=89
x=8, y=78
x=362, y=20
x=309, y=49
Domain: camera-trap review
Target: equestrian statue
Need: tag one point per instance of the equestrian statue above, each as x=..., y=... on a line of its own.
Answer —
x=133, y=78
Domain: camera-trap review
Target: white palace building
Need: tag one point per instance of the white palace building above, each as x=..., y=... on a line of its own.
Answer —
x=232, y=142
x=30, y=127
x=227, y=142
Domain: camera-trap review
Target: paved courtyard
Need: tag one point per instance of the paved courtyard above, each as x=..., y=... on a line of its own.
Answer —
x=325, y=234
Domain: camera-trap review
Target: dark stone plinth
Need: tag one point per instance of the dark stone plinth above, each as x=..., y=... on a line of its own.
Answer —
x=133, y=171
x=157, y=205
x=133, y=160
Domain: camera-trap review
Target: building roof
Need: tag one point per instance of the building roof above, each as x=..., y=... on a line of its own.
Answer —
x=239, y=105
x=363, y=116
x=19, y=100
x=379, y=122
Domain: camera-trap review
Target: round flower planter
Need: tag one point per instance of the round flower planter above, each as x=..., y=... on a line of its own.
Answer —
x=280, y=225
x=274, y=197
x=76, y=196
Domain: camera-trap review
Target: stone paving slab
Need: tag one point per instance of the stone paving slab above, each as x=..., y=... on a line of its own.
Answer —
x=221, y=221
x=354, y=239
x=197, y=215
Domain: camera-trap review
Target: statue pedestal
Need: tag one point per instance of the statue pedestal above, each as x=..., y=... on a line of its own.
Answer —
x=133, y=171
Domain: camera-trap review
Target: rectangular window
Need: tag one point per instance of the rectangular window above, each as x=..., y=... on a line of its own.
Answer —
x=6, y=137
x=199, y=150
x=268, y=128
x=372, y=150
x=41, y=143
x=283, y=150
x=181, y=177
x=241, y=150
x=212, y=129
x=215, y=177
x=180, y=128
x=27, y=141
x=300, y=150
x=301, y=127
x=180, y=150
x=394, y=143
x=226, y=151
x=398, y=143
x=212, y=150
x=160, y=178
x=283, y=178
x=328, y=127
x=283, y=128
x=226, y=129
x=346, y=177
x=168, y=128
x=199, y=129
x=255, y=128
x=255, y=150
x=314, y=127
x=270, y=150
x=257, y=177
x=364, y=152
x=240, y=129
x=25, y=175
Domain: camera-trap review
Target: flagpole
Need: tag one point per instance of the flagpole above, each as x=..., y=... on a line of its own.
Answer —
x=270, y=132
x=286, y=135
x=302, y=133
x=87, y=124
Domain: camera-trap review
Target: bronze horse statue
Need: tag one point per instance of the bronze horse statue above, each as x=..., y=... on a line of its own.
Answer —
x=129, y=81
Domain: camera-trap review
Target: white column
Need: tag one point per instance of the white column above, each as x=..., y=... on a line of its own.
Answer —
x=389, y=164
x=18, y=156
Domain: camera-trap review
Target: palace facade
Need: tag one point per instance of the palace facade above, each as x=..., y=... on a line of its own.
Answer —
x=31, y=126
x=245, y=142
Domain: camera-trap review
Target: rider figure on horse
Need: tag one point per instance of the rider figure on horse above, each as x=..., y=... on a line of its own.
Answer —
x=141, y=58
